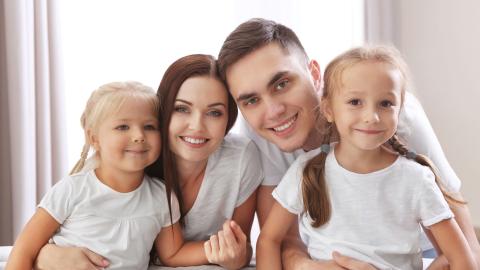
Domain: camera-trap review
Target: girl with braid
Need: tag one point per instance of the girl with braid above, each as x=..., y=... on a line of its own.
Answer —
x=116, y=207
x=363, y=193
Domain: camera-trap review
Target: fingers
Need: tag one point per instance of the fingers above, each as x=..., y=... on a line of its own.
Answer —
x=96, y=259
x=237, y=230
x=351, y=263
x=207, y=247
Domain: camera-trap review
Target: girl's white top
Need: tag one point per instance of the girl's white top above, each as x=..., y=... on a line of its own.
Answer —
x=376, y=217
x=119, y=226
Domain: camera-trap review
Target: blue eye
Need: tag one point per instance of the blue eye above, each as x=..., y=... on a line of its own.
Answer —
x=122, y=127
x=181, y=109
x=215, y=113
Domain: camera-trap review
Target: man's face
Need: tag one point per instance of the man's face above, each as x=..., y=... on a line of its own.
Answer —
x=277, y=94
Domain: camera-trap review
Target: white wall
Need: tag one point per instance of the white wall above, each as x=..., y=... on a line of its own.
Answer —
x=441, y=42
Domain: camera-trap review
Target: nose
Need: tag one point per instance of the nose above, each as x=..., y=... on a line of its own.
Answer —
x=371, y=115
x=138, y=136
x=196, y=121
x=274, y=108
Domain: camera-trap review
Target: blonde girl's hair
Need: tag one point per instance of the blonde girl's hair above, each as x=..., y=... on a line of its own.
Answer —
x=316, y=200
x=105, y=101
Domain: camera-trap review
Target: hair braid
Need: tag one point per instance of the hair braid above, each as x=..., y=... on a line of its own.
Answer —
x=402, y=149
x=316, y=200
x=81, y=162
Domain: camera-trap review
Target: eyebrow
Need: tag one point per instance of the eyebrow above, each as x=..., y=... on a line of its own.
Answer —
x=270, y=83
x=209, y=105
x=276, y=77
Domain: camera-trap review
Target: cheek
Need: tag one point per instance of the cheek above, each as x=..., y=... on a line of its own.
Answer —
x=217, y=127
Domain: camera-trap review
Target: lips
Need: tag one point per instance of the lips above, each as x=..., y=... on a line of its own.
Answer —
x=136, y=151
x=369, y=131
x=194, y=140
x=285, y=125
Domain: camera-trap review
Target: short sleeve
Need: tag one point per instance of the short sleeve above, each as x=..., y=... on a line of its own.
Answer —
x=431, y=205
x=288, y=193
x=175, y=208
x=58, y=201
x=417, y=132
x=251, y=172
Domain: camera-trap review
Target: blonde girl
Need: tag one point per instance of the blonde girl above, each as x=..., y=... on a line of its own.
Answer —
x=113, y=207
x=367, y=195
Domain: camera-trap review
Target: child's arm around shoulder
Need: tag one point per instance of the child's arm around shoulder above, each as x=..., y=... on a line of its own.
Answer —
x=34, y=236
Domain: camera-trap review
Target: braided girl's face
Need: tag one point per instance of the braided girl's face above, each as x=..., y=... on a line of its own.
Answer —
x=366, y=106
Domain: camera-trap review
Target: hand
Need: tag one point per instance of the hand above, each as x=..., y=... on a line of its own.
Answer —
x=228, y=248
x=350, y=263
x=53, y=257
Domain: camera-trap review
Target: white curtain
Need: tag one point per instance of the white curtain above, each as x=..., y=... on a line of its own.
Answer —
x=380, y=21
x=32, y=140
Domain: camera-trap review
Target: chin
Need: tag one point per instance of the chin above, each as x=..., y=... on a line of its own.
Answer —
x=288, y=147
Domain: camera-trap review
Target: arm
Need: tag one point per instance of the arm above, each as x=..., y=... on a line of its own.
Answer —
x=53, y=257
x=453, y=244
x=174, y=251
x=231, y=247
x=463, y=219
x=271, y=236
x=33, y=237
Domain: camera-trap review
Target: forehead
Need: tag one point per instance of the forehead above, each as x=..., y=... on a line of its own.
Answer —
x=202, y=89
x=134, y=107
x=252, y=72
x=372, y=74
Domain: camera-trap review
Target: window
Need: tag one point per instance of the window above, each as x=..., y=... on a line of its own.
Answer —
x=113, y=40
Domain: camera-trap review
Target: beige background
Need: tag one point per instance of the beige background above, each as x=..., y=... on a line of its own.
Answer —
x=441, y=42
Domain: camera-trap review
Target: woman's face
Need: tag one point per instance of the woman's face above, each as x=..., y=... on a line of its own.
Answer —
x=199, y=119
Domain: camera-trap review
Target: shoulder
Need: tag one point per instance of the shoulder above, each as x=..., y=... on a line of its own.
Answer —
x=75, y=181
x=238, y=141
x=414, y=171
x=236, y=146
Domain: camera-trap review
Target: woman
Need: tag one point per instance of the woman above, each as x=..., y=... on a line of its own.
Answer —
x=214, y=176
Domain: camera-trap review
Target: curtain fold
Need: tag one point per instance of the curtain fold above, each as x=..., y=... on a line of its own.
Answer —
x=32, y=111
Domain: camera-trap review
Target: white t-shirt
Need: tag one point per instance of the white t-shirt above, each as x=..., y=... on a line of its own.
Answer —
x=233, y=173
x=119, y=226
x=413, y=128
x=375, y=217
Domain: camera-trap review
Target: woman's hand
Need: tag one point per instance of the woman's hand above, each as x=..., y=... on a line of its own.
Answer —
x=228, y=248
x=52, y=257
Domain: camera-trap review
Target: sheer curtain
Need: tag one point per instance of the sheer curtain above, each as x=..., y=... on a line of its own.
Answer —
x=32, y=139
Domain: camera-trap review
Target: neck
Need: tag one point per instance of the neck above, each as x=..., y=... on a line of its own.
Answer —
x=363, y=161
x=314, y=140
x=119, y=181
x=189, y=171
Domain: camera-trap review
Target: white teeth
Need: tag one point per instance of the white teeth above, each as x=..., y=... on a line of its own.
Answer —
x=193, y=140
x=285, y=126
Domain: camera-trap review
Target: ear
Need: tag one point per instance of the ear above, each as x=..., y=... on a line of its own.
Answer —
x=93, y=140
x=316, y=74
x=326, y=110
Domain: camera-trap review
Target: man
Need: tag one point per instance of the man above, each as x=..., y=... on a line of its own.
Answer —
x=277, y=89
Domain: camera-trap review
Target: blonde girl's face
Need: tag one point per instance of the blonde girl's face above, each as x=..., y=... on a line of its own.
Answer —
x=366, y=106
x=128, y=140
x=199, y=119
